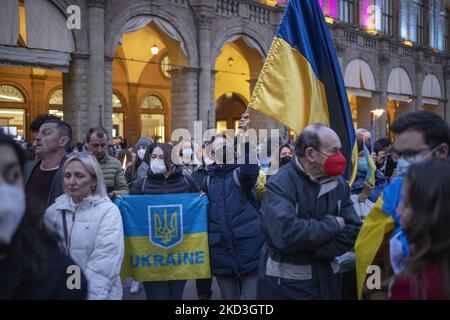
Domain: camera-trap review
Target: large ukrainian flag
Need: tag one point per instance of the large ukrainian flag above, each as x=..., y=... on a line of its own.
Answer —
x=166, y=237
x=301, y=81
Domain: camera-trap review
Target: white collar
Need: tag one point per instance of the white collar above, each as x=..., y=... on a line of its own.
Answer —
x=51, y=169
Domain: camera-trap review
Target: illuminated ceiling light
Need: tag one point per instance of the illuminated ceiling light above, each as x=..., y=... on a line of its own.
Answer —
x=154, y=50
x=229, y=94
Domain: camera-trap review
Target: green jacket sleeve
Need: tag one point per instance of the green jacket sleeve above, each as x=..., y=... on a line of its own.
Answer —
x=121, y=186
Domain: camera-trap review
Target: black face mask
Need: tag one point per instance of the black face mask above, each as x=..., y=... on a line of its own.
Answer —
x=285, y=160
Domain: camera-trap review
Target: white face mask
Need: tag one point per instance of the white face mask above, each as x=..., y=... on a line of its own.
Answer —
x=158, y=166
x=12, y=209
x=404, y=164
x=141, y=154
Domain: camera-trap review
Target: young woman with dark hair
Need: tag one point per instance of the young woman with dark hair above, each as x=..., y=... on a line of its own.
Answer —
x=425, y=217
x=163, y=177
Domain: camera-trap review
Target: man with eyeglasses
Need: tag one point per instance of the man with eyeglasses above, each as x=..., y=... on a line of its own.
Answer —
x=419, y=136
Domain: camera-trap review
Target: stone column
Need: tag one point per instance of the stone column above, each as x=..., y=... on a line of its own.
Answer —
x=184, y=99
x=107, y=108
x=75, y=103
x=212, y=112
x=381, y=98
x=203, y=13
x=96, y=72
x=446, y=101
x=134, y=116
x=418, y=83
x=39, y=103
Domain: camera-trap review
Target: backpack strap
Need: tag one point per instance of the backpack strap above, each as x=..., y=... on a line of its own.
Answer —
x=187, y=183
x=206, y=181
x=236, y=177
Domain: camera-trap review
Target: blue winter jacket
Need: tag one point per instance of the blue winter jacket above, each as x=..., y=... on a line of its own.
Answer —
x=235, y=235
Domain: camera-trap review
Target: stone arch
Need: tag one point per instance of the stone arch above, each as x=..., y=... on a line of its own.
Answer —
x=431, y=87
x=62, y=7
x=399, y=82
x=223, y=39
x=120, y=96
x=20, y=88
x=161, y=98
x=112, y=35
x=366, y=75
x=51, y=92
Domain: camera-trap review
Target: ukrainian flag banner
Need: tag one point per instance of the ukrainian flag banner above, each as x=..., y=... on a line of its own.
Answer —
x=370, y=176
x=166, y=237
x=301, y=81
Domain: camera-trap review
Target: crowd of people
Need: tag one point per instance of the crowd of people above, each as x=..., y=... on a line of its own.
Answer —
x=284, y=235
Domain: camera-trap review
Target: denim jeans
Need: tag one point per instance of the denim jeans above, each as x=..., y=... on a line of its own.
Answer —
x=233, y=288
x=164, y=290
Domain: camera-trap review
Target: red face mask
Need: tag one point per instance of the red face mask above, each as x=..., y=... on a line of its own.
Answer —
x=335, y=164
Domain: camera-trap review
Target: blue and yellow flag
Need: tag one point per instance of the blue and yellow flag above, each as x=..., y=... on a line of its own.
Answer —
x=382, y=221
x=301, y=81
x=371, y=168
x=166, y=237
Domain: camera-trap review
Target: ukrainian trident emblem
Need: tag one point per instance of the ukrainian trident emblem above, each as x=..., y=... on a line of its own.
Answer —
x=165, y=225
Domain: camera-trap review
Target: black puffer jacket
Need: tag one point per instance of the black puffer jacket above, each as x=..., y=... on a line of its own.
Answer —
x=158, y=184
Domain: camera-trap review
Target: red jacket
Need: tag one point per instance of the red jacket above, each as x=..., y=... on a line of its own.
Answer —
x=402, y=288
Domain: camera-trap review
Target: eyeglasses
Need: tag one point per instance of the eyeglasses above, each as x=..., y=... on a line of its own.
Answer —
x=81, y=154
x=409, y=153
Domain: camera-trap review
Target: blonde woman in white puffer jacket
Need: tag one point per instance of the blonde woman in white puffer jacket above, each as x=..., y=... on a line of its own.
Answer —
x=90, y=225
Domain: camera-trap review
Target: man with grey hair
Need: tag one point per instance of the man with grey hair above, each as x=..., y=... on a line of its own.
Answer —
x=364, y=135
x=97, y=144
x=308, y=220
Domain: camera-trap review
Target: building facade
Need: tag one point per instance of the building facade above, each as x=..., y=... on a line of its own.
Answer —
x=147, y=67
